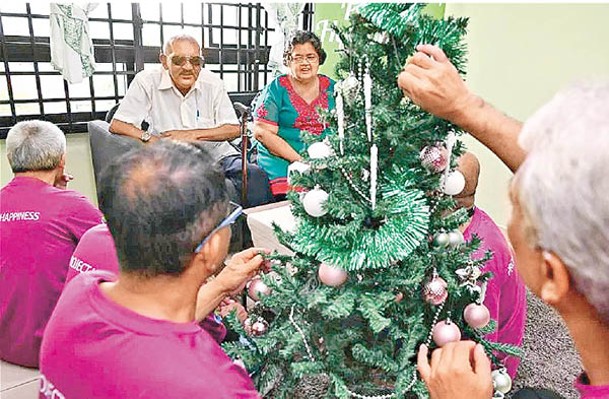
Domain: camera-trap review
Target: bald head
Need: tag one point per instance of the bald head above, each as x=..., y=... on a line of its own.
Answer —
x=470, y=167
x=160, y=200
x=183, y=37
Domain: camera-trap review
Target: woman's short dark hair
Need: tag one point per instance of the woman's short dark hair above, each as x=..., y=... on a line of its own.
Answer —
x=303, y=37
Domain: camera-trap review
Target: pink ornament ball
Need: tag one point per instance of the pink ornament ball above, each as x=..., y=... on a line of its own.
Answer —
x=476, y=316
x=331, y=275
x=434, y=158
x=259, y=328
x=435, y=292
x=444, y=332
x=257, y=287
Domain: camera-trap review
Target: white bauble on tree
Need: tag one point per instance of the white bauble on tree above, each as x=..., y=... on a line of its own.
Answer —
x=319, y=150
x=299, y=167
x=349, y=87
x=502, y=381
x=257, y=287
x=455, y=238
x=332, y=275
x=454, y=183
x=314, y=202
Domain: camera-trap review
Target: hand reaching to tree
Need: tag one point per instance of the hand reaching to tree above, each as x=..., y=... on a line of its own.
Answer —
x=432, y=82
x=458, y=370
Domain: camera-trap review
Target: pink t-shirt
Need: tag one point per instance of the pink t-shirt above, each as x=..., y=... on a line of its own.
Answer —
x=96, y=251
x=587, y=391
x=505, y=293
x=95, y=348
x=41, y=226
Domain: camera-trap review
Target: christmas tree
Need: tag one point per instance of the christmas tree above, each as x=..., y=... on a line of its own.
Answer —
x=380, y=266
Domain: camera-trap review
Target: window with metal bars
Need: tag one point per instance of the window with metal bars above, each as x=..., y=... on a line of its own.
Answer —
x=127, y=38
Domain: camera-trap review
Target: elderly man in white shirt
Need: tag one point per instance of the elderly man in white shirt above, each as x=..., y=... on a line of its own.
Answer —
x=183, y=101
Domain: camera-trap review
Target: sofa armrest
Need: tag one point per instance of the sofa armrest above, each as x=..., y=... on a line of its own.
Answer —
x=106, y=146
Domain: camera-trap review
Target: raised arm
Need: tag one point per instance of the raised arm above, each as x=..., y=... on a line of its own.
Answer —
x=433, y=83
x=237, y=272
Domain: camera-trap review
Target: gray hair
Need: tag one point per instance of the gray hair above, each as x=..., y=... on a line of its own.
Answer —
x=563, y=184
x=168, y=45
x=35, y=145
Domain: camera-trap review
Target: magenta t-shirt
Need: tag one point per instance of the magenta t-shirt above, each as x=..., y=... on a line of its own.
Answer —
x=587, y=391
x=505, y=293
x=96, y=251
x=41, y=226
x=95, y=348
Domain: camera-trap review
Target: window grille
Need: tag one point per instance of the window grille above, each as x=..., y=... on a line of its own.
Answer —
x=127, y=38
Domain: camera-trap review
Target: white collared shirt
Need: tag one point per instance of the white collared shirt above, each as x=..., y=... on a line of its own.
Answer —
x=153, y=98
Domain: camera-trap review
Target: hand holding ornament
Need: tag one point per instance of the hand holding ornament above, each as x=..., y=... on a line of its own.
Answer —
x=458, y=370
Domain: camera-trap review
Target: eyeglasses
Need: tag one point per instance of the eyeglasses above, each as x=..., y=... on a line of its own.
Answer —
x=180, y=60
x=299, y=59
x=235, y=210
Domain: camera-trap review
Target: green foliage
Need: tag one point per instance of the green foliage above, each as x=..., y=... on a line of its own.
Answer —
x=360, y=334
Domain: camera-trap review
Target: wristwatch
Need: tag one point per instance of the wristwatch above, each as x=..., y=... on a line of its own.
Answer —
x=145, y=137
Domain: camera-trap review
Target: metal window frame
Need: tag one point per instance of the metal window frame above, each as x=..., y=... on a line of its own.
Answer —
x=251, y=58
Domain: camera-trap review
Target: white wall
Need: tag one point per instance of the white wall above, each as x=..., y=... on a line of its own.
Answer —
x=519, y=56
x=78, y=163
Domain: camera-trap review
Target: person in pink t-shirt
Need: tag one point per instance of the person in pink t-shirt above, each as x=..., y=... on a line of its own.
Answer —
x=505, y=293
x=136, y=335
x=96, y=251
x=559, y=226
x=41, y=224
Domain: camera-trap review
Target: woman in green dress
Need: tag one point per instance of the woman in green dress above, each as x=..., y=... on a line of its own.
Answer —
x=288, y=105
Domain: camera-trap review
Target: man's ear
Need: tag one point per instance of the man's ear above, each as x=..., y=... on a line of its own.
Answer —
x=556, y=279
x=163, y=59
x=62, y=163
x=212, y=255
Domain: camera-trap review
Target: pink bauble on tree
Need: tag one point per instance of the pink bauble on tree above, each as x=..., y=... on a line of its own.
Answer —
x=446, y=331
x=257, y=287
x=476, y=316
x=435, y=292
x=434, y=158
x=331, y=275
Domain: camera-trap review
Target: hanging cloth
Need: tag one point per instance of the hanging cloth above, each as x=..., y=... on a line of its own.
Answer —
x=71, y=44
x=286, y=17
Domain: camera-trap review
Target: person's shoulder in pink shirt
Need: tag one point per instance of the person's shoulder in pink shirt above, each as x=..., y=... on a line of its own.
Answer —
x=41, y=224
x=136, y=334
x=115, y=352
x=505, y=293
x=96, y=251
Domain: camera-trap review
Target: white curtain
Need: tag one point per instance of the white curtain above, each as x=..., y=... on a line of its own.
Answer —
x=286, y=17
x=71, y=44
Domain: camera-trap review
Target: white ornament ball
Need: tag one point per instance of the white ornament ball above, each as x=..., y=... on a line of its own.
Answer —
x=441, y=240
x=319, y=150
x=502, y=381
x=476, y=316
x=454, y=183
x=455, y=238
x=314, y=202
x=350, y=83
x=257, y=287
x=444, y=332
x=299, y=167
x=331, y=275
